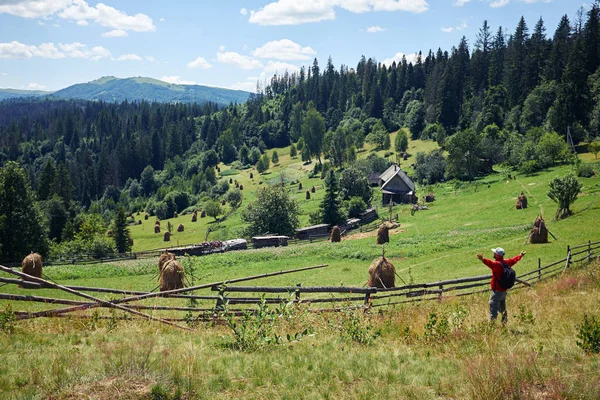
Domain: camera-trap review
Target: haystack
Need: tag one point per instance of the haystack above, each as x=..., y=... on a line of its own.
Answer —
x=164, y=259
x=382, y=274
x=251, y=175
x=167, y=236
x=139, y=222
x=32, y=265
x=230, y=181
x=308, y=195
x=203, y=214
x=171, y=276
x=539, y=232
x=146, y=216
x=336, y=235
x=241, y=187
x=300, y=186
x=429, y=198
x=194, y=216
x=223, y=202
x=521, y=202
x=312, y=189
x=175, y=215
x=157, y=222
x=383, y=234
x=180, y=228
x=156, y=228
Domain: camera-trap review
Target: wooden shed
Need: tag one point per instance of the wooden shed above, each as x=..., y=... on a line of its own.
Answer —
x=269, y=241
x=368, y=216
x=311, y=232
x=396, y=187
x=235, y=244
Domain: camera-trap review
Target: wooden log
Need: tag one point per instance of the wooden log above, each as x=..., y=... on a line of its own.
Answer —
x=293, y=289
x=98, y=301
x=158, y=294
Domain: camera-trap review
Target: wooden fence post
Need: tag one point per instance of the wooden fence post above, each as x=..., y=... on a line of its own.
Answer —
x=539, y=269
x=298, y=293
x=589, y=251
x=568, y=258
x=440, y=294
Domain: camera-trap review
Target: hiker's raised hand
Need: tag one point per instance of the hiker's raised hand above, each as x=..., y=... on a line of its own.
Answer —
x=480, y=257
x=523, y=253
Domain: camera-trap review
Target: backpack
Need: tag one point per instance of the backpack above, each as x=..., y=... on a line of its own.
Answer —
x=508, y=278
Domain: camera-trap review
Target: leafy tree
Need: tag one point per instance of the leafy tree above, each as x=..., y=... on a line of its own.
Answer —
x=356, y=206
x=463, y=154
x=263, y=164
x=564, y=191
x=213, y=208
x=415, y=120
x=293, y=151
x=430, y=168
x=354, y=183
x=552, y=149
x=147, y=180
x=305, y=154
x=244, y=155
x=378, y=135
x=274, y=211
x=594, y=148
x=329, y=208
x=22, y=229
x=234, y=197
x=57, y=216
x=313, y=131
x=275, y=157
x=121, y=231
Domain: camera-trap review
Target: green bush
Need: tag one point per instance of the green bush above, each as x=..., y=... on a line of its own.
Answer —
x=356, y=206
x=530, y=166
x=589, y=335
x=585, y=171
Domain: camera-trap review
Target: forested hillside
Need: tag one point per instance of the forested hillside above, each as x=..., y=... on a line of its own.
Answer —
x=509, y=98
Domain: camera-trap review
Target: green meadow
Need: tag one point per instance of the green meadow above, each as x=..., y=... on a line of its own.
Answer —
x=422, y=351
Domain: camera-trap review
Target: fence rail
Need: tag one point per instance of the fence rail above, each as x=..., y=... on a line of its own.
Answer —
x=346, y=296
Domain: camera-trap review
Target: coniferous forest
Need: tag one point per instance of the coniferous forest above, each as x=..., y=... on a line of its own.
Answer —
x=510, y=97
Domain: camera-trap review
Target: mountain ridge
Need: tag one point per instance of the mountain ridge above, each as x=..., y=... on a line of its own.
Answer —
x=113, y=89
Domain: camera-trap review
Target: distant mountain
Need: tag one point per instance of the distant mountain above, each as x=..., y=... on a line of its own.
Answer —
x=113, y=89
x=14, y=93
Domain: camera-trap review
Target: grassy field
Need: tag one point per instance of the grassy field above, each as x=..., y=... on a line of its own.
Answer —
x=422, y=351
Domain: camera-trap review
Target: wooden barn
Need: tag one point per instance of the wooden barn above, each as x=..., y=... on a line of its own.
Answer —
x=310, y=232
x=396, y=186
x=269, y=241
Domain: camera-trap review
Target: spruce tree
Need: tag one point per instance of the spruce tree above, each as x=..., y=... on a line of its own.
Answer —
x=330, y=209
x=122, y=238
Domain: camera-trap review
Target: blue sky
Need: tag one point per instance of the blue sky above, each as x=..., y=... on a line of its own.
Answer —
x=51, y=44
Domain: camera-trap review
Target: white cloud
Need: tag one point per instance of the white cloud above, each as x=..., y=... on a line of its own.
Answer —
x=176, y=80
x=499, y=3
x=284, y=49
x=239, y=60
x=79, y=50
x=129, y=57
x=151, y=59
x=16, y=49
x=243, y=11
x=460, y=3
x=36, y=86
x=249, y=85
x=108, y=17
x=115, y=33
x=199, y=62
x=82, y=22
x=292, y=12
x=78, y=10
x=162, y=20
x=40, y=23
x=410, y=58
x=375, y=29
x=460, y=27
x=33, y=8
x=221, y=48
x=278, y=67
x=447, y=30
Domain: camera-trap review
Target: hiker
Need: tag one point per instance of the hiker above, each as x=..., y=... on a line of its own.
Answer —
x=503, y=278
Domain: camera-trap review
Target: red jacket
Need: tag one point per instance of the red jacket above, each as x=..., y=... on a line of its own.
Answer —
x=497, y=269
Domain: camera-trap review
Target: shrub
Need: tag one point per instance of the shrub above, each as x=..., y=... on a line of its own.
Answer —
x=530, y=166
x=585, y=171
x=589, y=335
x=356, y=206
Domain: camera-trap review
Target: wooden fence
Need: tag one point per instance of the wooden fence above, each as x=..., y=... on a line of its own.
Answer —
x=341, y=297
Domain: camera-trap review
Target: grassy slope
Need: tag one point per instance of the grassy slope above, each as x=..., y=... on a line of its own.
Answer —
x=77, y=358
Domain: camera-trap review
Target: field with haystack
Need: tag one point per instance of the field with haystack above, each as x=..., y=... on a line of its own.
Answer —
x=421, y=350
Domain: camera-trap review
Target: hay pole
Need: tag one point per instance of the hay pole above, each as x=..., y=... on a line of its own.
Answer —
x=98, y=302
x=157, y=294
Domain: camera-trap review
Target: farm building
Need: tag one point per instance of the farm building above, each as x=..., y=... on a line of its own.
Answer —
x=312, y=232
x=351, y=223
x=368, y=216
x=396, y=186
x=269, y=241
x=235, y=244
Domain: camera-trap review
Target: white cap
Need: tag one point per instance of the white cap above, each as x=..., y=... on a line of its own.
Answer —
x=499, y=251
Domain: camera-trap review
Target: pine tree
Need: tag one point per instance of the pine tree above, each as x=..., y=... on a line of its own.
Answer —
x=330, y=210
x=22, y=230
x=122, y=238
x=559, y=53
x=515, y=80
x=46, y=185
x=496, y=72
x=591, y=34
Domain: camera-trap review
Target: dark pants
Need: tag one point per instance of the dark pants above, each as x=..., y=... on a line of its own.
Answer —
x=498, y=304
